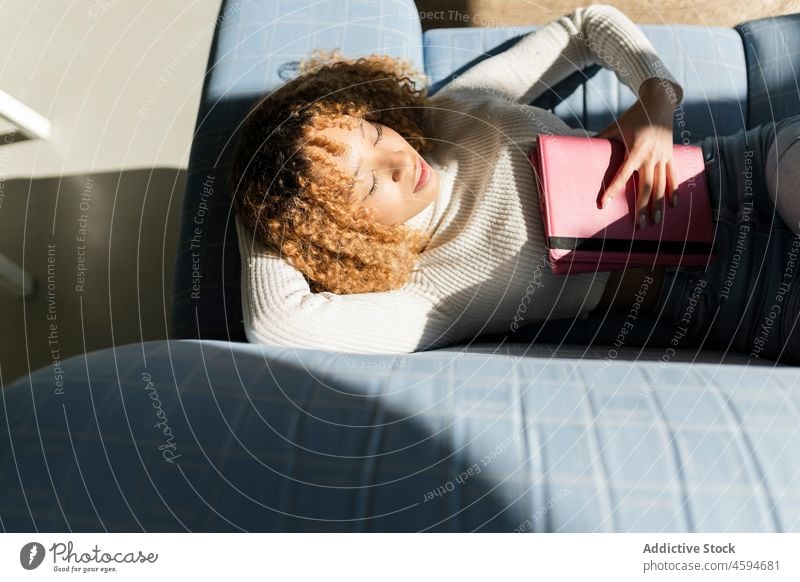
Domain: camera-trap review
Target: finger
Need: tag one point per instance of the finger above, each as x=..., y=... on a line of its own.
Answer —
x=673, y=184
x=657, y=196
x=645, y=187
x=618, y=182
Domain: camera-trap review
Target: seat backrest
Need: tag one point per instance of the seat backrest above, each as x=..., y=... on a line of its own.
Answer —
x=252, y=41
x=772, y=52
x=709, y=63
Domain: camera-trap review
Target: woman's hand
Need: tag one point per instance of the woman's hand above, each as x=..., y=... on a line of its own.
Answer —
x=646, y=130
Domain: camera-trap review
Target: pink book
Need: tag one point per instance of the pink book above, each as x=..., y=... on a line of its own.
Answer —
x=572, y=173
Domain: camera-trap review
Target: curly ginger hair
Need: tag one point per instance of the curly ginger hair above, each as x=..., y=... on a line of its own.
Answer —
x=287, y=190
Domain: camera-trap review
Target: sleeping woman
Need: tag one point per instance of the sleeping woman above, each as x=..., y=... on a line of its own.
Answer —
x=375, y=218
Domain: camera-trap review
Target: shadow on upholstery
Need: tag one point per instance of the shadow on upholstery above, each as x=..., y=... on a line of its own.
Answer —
x=254, y=444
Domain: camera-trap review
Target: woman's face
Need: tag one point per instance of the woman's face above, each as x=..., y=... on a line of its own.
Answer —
x=390, y=177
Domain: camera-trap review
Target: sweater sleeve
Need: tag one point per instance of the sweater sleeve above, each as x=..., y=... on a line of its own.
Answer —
x=598, y=34
x=279, y=309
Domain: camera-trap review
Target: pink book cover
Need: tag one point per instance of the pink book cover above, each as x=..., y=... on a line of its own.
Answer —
x=572, y=173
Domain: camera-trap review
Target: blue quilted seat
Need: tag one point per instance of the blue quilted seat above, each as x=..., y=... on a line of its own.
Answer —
x=205, y=432
x=708, y=62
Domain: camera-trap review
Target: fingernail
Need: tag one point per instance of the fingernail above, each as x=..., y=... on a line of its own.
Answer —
x=642, y=220
x=674, y=200
x=657, y=216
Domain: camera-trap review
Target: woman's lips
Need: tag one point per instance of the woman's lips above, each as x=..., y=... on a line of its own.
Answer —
x=424, y=174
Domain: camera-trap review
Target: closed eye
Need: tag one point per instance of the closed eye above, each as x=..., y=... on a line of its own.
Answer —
x=379, y=129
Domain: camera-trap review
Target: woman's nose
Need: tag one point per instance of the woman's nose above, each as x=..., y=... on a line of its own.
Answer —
x=401, y=165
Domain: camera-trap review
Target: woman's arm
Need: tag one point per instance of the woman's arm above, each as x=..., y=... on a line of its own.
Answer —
x=597, y=34
x=280, y=309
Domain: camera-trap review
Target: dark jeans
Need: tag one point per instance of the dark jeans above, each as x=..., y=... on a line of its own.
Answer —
x=747, y=301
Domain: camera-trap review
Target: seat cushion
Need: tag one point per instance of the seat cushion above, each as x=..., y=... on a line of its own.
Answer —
x=707, y=61
x=219, y=436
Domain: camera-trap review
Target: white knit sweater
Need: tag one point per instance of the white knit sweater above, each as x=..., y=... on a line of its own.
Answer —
x=485, y=269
